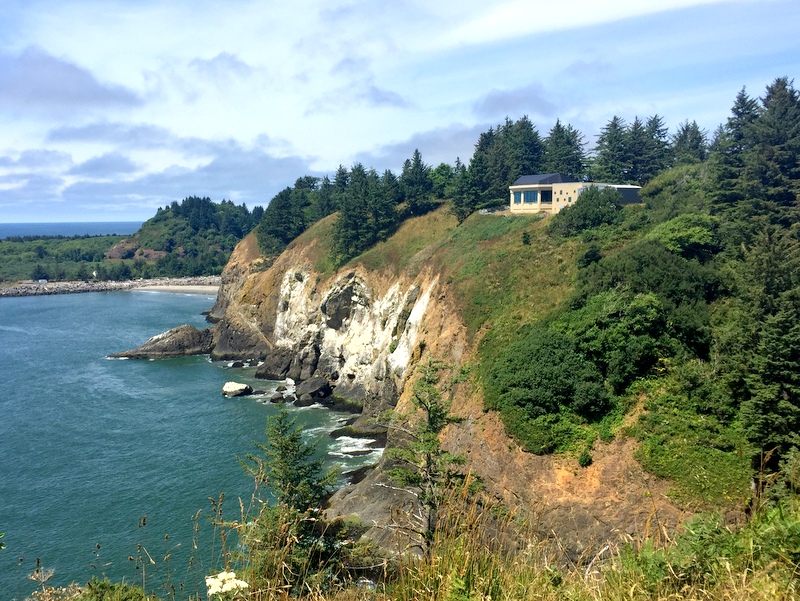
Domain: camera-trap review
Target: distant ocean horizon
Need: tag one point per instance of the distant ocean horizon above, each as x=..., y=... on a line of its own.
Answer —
x=77, y=228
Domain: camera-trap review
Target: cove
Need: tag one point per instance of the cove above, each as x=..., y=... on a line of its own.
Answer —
x=89, y=446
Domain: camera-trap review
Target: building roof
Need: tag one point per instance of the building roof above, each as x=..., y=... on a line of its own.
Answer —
x=543, y=178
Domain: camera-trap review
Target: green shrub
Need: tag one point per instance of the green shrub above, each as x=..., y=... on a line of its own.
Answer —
x=594, y=207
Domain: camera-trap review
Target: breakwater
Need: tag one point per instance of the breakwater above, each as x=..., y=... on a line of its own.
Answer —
x=40, y=289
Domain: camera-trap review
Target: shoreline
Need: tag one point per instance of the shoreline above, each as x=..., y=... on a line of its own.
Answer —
x=188, y=285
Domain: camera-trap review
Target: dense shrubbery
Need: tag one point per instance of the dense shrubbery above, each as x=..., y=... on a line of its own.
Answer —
x=594, y=207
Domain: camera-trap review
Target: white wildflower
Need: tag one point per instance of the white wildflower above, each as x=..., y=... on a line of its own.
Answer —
x=224, y=582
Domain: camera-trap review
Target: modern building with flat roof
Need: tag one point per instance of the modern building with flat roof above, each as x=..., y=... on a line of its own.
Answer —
x=551, y=192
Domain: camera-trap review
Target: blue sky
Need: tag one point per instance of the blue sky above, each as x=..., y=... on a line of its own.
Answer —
x=112, y=108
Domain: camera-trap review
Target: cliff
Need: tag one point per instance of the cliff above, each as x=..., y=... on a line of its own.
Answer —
x=365, y=326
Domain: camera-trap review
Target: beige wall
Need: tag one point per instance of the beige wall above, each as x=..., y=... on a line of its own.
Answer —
x=563, y=196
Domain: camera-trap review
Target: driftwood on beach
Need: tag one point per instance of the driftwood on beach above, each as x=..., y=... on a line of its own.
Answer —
x=37, y=289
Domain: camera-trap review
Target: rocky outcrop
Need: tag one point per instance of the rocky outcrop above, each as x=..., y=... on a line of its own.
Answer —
x=232, y=389
x=182, y=341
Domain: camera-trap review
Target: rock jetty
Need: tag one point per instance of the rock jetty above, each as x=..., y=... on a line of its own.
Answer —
x=37, y=289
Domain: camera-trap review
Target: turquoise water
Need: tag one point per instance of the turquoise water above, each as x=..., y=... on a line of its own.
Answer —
x=89, y=445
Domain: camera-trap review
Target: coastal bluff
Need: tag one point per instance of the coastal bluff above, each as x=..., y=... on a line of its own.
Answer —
x=364, y=331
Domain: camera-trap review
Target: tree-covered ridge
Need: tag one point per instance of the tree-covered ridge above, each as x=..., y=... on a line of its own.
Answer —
x=191, y=238
x=693, y=297
x=370, y=205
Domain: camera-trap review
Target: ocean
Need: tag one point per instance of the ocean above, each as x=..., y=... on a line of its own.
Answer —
x=105, y=464
x=91, y=228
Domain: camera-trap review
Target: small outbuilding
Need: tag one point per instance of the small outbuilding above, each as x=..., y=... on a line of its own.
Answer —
x=551, y=192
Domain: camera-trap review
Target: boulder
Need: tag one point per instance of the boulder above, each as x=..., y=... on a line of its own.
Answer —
x=182, y=341
x=276, y=364
x=231, y=389
x=304, y=400
x=316, y=388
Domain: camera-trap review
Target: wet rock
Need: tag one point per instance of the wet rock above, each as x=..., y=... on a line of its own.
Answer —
x=182, y=341
x=304, y=400
x=231, y=389
x=316, y=388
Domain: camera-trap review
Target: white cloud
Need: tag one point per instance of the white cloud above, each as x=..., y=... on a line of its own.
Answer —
x=36, y=81
x=523, y=17
x=163, y=100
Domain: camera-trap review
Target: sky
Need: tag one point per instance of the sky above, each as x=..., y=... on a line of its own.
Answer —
x=110, y=109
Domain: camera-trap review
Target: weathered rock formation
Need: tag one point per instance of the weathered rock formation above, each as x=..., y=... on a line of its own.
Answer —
x=232, y=389
x=182, y=341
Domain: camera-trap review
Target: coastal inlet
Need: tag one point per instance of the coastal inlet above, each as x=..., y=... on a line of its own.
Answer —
x=88, y=445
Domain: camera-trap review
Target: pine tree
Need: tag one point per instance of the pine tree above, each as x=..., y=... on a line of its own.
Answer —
x=658, y=152
x=637, y=149
x=288, y=465
x=689, y=144
x=612, y=162
x=773, y=164
x=771, y=415
x=351, y=233
x=417, y=184
x=425, y=469
x=564, y=152
x=465, y=198
x=732, y=144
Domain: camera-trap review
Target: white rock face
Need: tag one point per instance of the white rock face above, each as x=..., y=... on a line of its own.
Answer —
x=362, y=340
x=231, y=389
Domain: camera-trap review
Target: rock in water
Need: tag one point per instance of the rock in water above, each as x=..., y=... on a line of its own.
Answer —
x=236, y=389
x=317, y=388
x=182, y=341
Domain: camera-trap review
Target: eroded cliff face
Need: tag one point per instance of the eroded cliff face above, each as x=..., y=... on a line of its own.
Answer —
x=365, y=331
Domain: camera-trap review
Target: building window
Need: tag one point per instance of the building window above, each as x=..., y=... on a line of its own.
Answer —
x=532, y=196
x=517, y=197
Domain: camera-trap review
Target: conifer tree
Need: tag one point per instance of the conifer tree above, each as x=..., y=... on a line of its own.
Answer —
x=288, y=465
x=564, y=151
x=423, y=467
x=612, y=161
x=689, y=144
x=417, y=184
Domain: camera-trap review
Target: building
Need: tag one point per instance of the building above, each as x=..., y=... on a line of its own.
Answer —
x=551, y=192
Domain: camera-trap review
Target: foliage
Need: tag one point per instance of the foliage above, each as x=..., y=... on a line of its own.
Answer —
x=289, y=545
x=288, y=465
x=689, y=144
x=422, y=466
x=368, y=210
x=595, y=207
x=51, y=257
x=691, y=235
x=631, y=154
x=104, y=590
x=545, y=389
x=564, y=151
